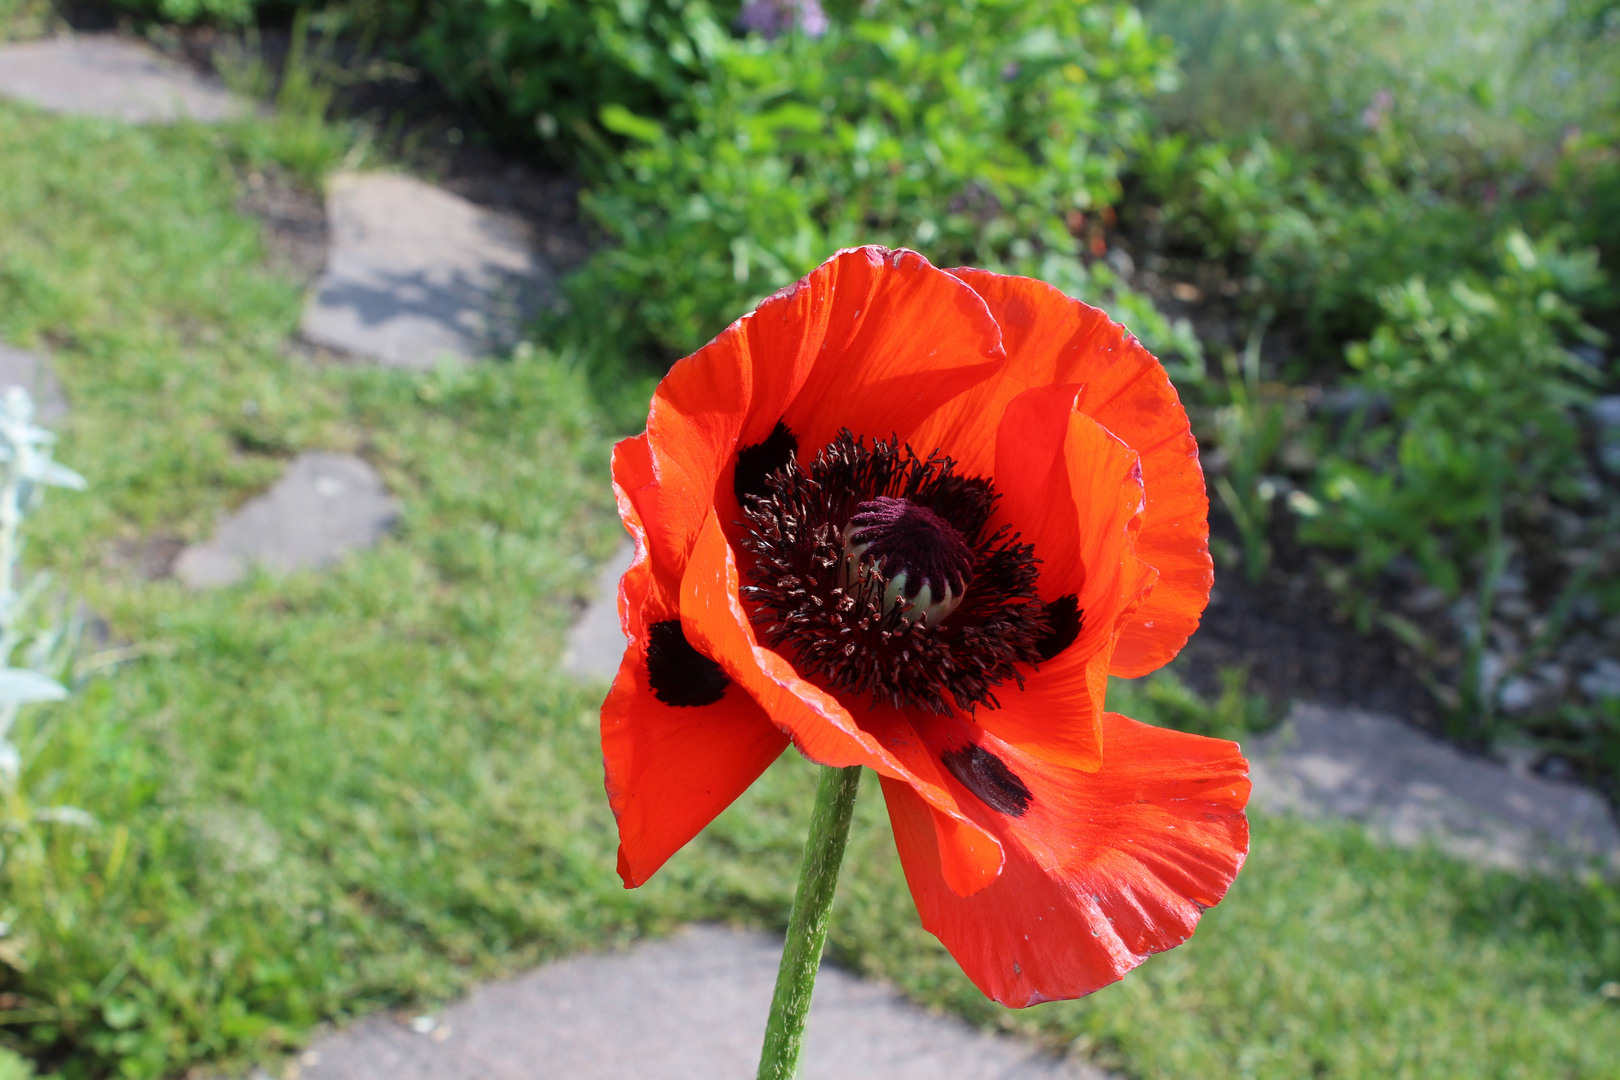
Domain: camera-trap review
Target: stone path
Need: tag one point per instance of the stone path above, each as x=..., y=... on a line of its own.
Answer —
x=33, y=373
x=595, y=643
x=1411, y=787
x=113, y=77
x=323, y=507
x=691, y=1007
x=415, y=275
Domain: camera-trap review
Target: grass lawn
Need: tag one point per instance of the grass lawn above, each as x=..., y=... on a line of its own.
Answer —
x=331, y=793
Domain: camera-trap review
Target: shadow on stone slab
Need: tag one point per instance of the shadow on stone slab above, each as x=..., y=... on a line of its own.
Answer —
x=33, y=373
x=113, y=77
x=692, y=1007
x=1412, y=787
x=325, y=506
x=415, y=275
x=595, y=642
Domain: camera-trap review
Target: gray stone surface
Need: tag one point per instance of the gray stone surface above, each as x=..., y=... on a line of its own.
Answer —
x=596, y=644
x=110, y=76
x=33, y=373
x=692, y=1007
x=323, y=507
x=415, y=275
x=1409, y=787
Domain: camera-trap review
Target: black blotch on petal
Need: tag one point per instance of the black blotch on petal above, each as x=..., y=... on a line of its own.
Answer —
x=1063, y=614
x=755, y=463
x=679, y=674
x=988, y=777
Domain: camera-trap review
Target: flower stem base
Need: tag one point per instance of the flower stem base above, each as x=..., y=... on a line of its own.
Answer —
x=807, y=927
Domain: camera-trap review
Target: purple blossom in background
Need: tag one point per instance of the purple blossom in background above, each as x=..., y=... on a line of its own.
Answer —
x=773, y=18
x=1376, y=113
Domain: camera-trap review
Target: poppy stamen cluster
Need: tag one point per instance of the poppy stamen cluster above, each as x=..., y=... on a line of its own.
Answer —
x=915, y=518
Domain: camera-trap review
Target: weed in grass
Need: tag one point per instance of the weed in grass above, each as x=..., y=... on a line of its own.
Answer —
x=1249, y=430
x=294, y=129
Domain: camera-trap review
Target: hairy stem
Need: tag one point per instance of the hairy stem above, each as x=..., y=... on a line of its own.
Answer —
x=807, y=927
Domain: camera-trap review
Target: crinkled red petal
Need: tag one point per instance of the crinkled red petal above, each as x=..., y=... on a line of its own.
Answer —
x=873, y=340
x=669, y=770
x=1051, y=338
x=1073, y=491
x=1102, y=870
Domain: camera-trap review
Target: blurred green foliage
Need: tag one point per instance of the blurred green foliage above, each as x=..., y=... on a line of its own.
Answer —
x=547, y=67
x=1423, y=202
x=538, y=71
x=1478, y=375
x=976, y=132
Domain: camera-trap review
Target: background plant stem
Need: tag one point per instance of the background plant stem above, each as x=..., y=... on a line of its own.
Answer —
x=807, y=927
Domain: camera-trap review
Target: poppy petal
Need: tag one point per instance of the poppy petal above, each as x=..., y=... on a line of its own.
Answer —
x=1058, y=714
x=669, y=768
x=822, y=726
x=893, y=339
x=1073, y=491
x=655, y=558
x=1052, y=338
x=1102, y=869
x=873, y=340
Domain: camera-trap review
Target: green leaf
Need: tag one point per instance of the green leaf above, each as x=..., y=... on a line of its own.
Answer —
x=621, y=121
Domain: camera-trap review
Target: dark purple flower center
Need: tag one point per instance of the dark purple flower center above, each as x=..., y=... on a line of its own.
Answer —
x=878, y=572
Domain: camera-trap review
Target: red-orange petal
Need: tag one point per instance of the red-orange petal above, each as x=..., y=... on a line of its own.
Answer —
x=1052, y=338
x=1080, y=502
x=873, y=340
x=1101, y=871
x=669, y=769
x=1073, y=491
x=1057, y=716
x=821, y=725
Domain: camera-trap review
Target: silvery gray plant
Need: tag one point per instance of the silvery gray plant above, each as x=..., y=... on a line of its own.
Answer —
x=43, y=644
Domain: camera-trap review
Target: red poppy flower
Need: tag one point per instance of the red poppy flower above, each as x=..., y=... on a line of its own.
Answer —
x=913, y=519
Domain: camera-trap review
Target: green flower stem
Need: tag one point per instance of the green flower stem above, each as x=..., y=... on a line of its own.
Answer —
x=807, y=927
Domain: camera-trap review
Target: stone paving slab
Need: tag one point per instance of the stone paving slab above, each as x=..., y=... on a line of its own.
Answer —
x=113, y=77
x=595, y=643
x=691, y=1007
x=415, y=274
x=1410, y=787
x=32, y=371
x=323, y=507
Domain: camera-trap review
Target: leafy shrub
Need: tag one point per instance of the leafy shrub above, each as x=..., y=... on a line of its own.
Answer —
x=1480, y=382
x=1249, y=430
x=974, y=132
x=547, y=67
x=1325, y=236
